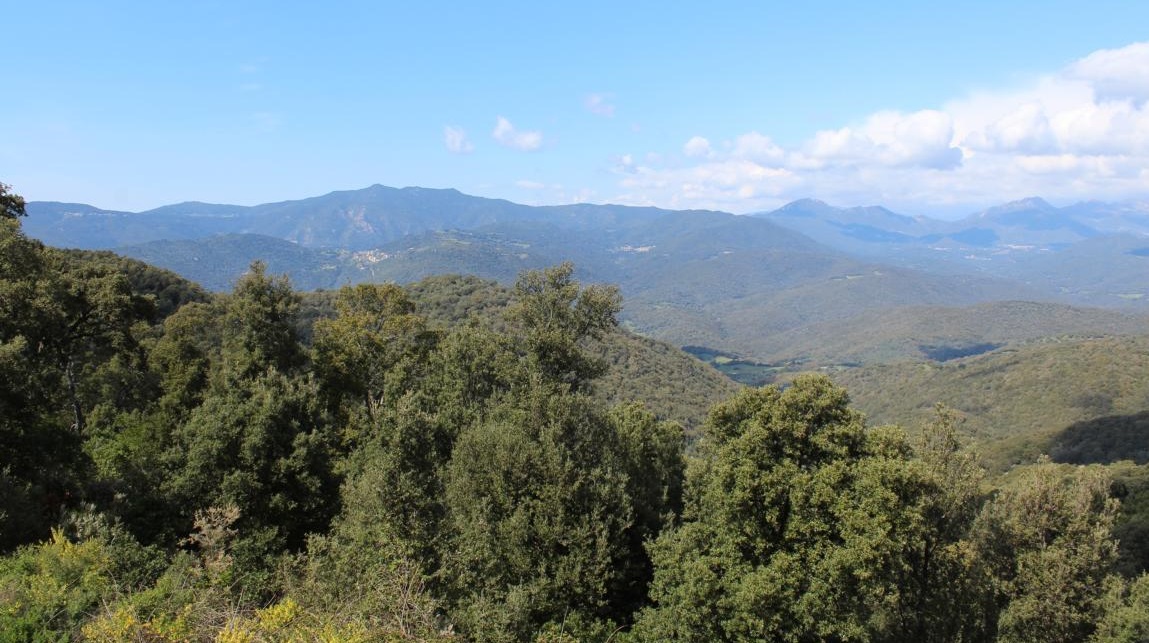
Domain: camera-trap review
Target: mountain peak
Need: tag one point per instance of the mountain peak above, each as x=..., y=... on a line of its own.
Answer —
x=415, y=189
x=196, y=208
x=805, y=203
x=805, y=208
x=1028, y=204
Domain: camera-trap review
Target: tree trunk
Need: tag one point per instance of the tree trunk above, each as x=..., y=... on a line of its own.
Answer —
x=77, y=409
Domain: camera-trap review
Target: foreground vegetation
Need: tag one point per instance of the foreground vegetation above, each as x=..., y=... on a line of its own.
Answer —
x=182, y=467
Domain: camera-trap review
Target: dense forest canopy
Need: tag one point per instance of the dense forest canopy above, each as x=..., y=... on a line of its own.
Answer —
x=441, y=462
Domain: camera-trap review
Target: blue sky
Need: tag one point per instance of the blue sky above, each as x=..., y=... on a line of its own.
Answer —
x=930, y=108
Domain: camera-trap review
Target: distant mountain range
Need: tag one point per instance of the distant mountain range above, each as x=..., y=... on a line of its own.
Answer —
x=353, y=220
x=1090, y=253
x=700, y=278
x=1028, y=225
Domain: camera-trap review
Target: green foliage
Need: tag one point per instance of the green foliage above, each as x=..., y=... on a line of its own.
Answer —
x=777, y=533
x=39, y=457
x=247, y=429
x=11, y=205
x=165, y=291
x=263, y=447
x=360, y=578
x=48, y=590
x=1131, y=487
x=539, y=514
x=556, y=314
x=259, y=326
x=396, y=487
x=1126, y=610
x=941, y=596
x=672, y=384
x=472, y=368
x=522, y=501
x=185, y=357
x=450, y=300
x=375, y=329
x=69, y=341
x=86, y=313
x=801, y=525
x=1045, y=543
x=653, y=454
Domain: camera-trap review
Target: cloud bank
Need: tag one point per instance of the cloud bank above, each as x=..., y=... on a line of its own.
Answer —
x=1079, y=133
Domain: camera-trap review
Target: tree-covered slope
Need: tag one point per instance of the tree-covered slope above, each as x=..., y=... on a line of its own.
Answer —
x=673, y=384
x=217, y=262
x=691, y=278
x=942, y=333
x=1017, y=403
x=699, y=279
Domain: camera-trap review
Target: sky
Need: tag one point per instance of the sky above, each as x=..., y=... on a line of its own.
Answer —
x=927, y=108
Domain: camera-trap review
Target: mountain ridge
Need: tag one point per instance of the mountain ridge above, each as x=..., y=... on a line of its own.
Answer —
x=380, y=214
x=692, y=277
x=351, y=219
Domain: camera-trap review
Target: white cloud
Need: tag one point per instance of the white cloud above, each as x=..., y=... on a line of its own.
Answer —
x=507, y=136
x=757, y=147
x=1026, y=130
x=923, y=139
x=585, y=195
x=1108, y=128
x=455, y=138
x=1081, y=132
x=529, y=185
x=599, y=104
x=1050, y=164
x=626, y=165
x=1116, y=74
x=1096, y=106
x=721, y=184
x=697, y=147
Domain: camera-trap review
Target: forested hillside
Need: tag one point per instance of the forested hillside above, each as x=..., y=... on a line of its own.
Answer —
x=742, y=285
x=1018, y=403
x=458, y=462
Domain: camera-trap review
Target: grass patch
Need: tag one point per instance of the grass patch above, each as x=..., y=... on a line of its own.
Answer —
x=740, y=370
